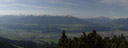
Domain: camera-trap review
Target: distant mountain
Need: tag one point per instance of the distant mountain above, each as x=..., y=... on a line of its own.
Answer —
x=99, y=20
x=120, y=24
x=121, y=21
x=45, y=23
x=57, y=23
x=43, y=20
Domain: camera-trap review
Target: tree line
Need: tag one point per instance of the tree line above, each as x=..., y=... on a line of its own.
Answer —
x=92, y=40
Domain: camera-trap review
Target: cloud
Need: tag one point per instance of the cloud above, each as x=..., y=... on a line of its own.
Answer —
x=66, y=2
x=115, y=2
x=25, y=5
x=7, y=0
x=17, y=12
x=35, y=7
x=3, y=5
x=28, y=7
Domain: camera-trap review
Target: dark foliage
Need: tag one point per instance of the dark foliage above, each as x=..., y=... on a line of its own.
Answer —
x=6, y=43
x=92, y=40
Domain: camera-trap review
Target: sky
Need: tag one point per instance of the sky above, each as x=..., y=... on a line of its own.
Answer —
x=77, y=8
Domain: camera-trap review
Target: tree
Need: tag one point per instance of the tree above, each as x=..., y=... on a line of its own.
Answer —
x=63, y=35
x=123, y=42
x=83, y=40
x=106, y=42
x=91, y=39
x=46, y=47
x=63, y=41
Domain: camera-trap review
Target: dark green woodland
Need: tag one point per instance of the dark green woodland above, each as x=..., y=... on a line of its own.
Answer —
x=92, y=40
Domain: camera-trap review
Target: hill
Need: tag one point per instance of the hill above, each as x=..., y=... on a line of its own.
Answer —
x=7, y=43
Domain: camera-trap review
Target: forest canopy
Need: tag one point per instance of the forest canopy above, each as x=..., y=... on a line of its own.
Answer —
x=92, y=40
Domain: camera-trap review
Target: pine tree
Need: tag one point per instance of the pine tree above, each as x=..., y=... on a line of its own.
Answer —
x=98, y=42
x=63, y=41
x=123, y=42
x=46, y=47
x=63, y=35
x=106, y=42
x=83, y=40
x=114, y=41
x=75, y=43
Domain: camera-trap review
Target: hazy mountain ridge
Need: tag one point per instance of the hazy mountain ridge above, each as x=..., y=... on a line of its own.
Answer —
x=58, y=23
x=45, y=20
x=100, y=20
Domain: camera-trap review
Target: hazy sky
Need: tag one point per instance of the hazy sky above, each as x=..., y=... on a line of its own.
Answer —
x=78, y=8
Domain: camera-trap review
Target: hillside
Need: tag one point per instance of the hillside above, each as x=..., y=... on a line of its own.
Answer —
x=7, y=43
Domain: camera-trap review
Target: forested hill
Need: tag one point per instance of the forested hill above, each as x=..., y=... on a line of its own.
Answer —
x=7, y=43
x=92, y=40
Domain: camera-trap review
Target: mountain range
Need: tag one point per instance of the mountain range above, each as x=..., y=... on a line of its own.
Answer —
x=57, y=23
